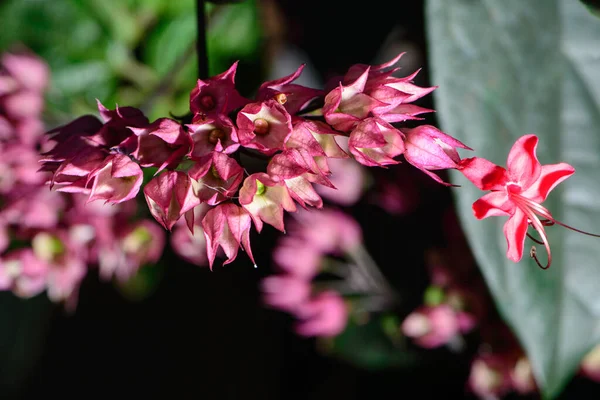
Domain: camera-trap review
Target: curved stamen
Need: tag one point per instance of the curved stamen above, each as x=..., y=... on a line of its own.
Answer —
x=534, y=239
x=528, y=208
x=541, y=210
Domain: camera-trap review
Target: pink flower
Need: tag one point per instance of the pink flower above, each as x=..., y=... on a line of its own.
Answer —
x=23, y=273
x=346, y=106
x=374, y=142
x=517, y=193
x=118, y=179
x=317, y=138
x=227, y=226
x=428, y=148
x=394, y=92
x=161, y=144
x=294, y=97
x=210, y=135
x=297, y=168
x=169, y=196
x=285, y=292
x=265, y=199
x=264, y=126
x=431, y=327
x=216, y=178
x=323, y=315
x=217, y=95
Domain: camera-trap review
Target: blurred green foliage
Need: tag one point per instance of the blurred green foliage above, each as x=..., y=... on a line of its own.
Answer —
x=128, y=52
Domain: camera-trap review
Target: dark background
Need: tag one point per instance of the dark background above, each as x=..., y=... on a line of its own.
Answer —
x=205, y=334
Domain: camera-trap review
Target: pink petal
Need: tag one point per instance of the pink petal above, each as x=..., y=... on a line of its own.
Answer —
x=522, y=163
x=515, y=230
x=483, y=173
x=550, y=176
x=493, y=204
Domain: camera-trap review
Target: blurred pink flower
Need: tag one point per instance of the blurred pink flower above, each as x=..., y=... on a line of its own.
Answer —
x=590, y=365
x=431, y=326
x=285, y=292
x=325, y=314
x=23, y=273
x=489, y=377
x=329, y=231
x=293, y=256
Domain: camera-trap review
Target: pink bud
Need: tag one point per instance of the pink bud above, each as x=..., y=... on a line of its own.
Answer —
x=428, y=148
x=374, y=142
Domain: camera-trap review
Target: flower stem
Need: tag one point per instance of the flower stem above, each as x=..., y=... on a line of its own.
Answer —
x=201, y=50
x=369, y=269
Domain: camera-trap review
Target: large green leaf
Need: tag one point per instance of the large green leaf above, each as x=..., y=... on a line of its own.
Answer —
x=505, y=69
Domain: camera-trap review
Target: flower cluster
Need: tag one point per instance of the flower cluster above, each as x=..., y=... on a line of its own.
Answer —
x=215, y=160
x=47, y=238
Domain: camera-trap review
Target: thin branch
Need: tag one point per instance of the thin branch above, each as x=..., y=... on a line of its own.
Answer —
x=201, y=50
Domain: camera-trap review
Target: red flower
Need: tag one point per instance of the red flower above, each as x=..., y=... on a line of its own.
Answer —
x=518, y=192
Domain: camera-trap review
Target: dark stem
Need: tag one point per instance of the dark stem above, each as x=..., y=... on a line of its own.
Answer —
x=201, y=51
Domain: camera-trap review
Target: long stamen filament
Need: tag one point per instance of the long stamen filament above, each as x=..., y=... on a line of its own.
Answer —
x=541, y=210
x=529, y=208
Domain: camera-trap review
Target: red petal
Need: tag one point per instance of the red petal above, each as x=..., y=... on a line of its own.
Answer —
x=523, y=165
x=515, y=230
x=483, y=173
x=550, y=176
x=493, y=204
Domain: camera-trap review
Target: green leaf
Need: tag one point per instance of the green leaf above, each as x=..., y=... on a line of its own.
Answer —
x=506, y=69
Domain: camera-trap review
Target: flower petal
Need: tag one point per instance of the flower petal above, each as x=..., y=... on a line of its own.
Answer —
x=515, y=230
x=493, y=204
x=522, y=163
x=483, y=173
x=550, y=176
